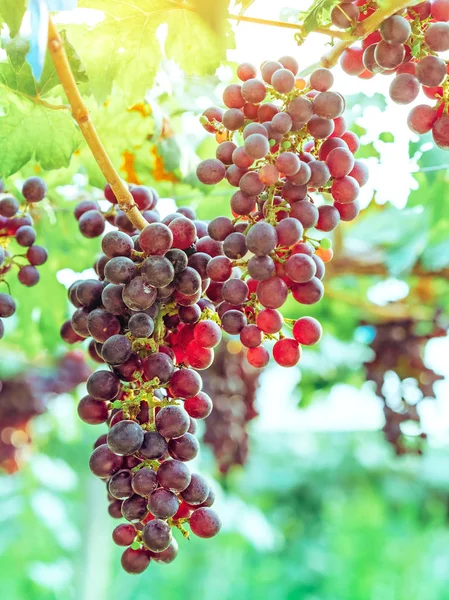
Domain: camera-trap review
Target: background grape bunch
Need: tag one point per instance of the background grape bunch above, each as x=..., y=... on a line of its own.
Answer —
x=17, y=237
x=23, y=397
x=286, y=156
x=406, y=45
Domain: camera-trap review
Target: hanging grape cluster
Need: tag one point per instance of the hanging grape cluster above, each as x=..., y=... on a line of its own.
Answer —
x=153, y=330
x=287, y=156
x=399, y=347
x=17, y=237
x=406, y=45
x=233, y=384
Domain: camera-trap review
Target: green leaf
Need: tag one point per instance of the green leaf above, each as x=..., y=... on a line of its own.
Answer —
x=29, y=130
x=12, y=11
x=16, y=74
x=123, y=47
x=386, y=137
x=367, y=151
x=317, y=15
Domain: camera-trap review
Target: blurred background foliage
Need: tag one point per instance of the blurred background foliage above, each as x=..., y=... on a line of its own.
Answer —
x=324, y=508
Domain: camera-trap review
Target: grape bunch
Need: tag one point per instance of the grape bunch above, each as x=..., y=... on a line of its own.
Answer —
x=407, y=45
x=153, y=330
x=16, y=225
x=92, y=219
x=233, y=384
x=285, y=147
x=24, y=397
x=399, y=347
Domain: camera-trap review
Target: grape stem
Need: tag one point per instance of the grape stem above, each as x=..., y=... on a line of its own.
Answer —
x=363, y=29
x=342, y=35
x=82, y=117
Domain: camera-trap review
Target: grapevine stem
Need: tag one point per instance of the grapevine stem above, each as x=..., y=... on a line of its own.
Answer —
x=360, y=32
x=343, y=35
x=82, y=117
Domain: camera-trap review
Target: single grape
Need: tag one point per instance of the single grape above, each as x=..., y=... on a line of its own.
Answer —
x=34, y=189
x=116, y=349
x=158, y=365
x=258, y=357
x=283, y=81
x=286, y=352
x=307, y=331
x=103, y=385
x=163, y=504
x=321, y=80
x=92, y=411
x=440, y=132
x=125, y=437
x=431, y=71
x=135, y=562
x=124, y=534
x=9, y=206
x=172, y=421
x=134, y=509
x=7, y=305
x=37, y=255
x=344, y=15
x=103, y=462
x=345, y=189
x=119, y=485
x=138, y=295
x=91, y=224
x=421, y=118
x=144, y=481
x=184, y=448
x=308, y=293
x=156, y=535
x=199, y=406
x=272, y=293
x=197, y=490
x=25, y=236
x=436, y=37
x=153, y=446
x=173, y=475
x=261, y=239
x=395, y=30
x=251, y=336
x=300, y=268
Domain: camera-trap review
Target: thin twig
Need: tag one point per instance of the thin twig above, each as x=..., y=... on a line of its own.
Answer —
x=82, y=117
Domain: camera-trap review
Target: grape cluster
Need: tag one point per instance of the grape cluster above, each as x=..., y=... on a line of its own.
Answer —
x=286, y=148
x=407, y=45
x=92, y=219
x=233, y=384
x=16, y=224
x=399, y=347
x=150, y=325
x=24, y=397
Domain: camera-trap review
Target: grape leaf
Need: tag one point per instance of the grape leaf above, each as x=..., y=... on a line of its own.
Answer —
x=317, y=15
x=16, y=73
x=123, y=47
x=12, y=12
x=29, y=130
x=386, y=137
